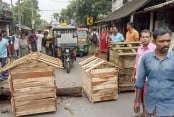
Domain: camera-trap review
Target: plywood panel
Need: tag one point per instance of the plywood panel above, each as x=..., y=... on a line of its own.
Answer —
x=35, y=106
x=33, y=82
x=32, y=75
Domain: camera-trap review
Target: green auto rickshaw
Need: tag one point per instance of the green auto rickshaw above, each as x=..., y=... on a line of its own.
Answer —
x=83, y=42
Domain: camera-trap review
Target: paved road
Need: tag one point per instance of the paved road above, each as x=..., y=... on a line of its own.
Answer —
x=81, y=107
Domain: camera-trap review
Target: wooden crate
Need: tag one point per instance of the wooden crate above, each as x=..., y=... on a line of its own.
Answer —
x=123, y=54
x=32, y=84
x=124, y=80
x=100, y=79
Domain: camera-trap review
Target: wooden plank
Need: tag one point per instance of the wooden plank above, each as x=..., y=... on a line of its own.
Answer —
x=109, y=91
x=87, y=60
x=92, y=67
x=33, y=90
x=51, y=63
x=86, y=66
x=137, y=42
x=106, y=86
x=106, y=72
x=30, y=104
x=126, y=48
x=35, y=96
x=33, y=82
x=125, y=54
x=34, y=69
x=32, y=75
x=49, y=108
x=104, y=98
x=100, y=81
x=36, y=106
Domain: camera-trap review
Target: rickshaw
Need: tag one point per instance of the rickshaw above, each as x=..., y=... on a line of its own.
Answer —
x=65, y=45
x=83, y=43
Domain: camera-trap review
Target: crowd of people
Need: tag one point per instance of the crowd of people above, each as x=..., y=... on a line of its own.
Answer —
x=101, y=41
x=154, y=63
x=20, y=44
x=153, y=74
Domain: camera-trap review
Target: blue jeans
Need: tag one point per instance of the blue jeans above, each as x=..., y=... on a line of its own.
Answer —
x=3, y=63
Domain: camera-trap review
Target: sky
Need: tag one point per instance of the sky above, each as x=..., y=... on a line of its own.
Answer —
x=48, y=7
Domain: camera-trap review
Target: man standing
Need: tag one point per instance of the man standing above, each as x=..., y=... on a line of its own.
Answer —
x=132, y=34
x=3, y=52
x=116, y=36
x=39, y=37
x=32, y=41
x=146, y=47
x=157, y=67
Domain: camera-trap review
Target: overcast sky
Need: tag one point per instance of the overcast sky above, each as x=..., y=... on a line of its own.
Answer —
x=48, y=7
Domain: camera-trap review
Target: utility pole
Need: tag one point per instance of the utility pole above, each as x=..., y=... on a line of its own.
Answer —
x=19, y=13
x=32, y=15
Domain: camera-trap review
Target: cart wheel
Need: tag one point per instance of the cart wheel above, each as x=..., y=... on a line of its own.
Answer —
x=67, y=67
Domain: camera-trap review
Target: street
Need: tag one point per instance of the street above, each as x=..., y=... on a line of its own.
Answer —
x=80, y=106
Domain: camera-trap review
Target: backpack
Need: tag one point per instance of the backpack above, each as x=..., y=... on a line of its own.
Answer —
x=94, y=38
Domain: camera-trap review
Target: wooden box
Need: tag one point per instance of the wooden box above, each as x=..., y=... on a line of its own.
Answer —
x=32, y=84
x=123, y=54
x=100, y=79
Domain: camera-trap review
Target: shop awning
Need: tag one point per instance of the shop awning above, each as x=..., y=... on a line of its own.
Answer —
x=126, y=10
x=158, y=6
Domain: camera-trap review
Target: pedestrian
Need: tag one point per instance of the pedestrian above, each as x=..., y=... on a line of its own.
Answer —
x=24, y=46
x=39, y=37
x=116, y=36
x=132, y=34
x=11, y=40
x=146, y=47
x=157, y=67
x=103, y=41
x=32, y=41
x=109, y=35
x=95, y=39
x=4, y=49
x=16, y=45
x=44, y=42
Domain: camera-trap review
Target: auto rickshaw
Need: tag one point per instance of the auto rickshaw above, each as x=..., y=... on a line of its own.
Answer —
x=83, y=43
x=65, y=45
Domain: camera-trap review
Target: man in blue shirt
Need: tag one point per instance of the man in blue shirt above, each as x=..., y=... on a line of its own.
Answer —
x=158, y=67
x=4, y=50
x=116, y=36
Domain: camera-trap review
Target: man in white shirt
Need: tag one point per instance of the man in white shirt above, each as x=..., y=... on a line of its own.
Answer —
x=39, y=37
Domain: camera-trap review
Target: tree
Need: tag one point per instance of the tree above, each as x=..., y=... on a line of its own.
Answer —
x=26, y=12
x=81, y=9
x=56, y=16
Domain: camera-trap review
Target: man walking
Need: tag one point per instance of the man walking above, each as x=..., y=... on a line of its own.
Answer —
x=157, y=67
x=4, y=49
x=146, y=47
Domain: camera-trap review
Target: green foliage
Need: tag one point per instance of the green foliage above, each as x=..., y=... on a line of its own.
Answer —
x=81, y=9
x=25, y=10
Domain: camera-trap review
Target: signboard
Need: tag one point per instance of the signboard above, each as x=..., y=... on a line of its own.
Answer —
x=90, y=21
